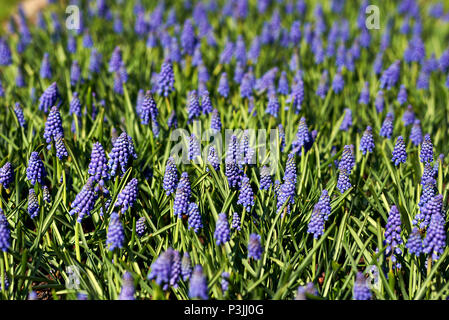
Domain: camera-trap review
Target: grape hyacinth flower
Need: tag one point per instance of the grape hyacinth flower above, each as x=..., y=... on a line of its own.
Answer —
x=409, y=116
x=283, y=87
x=254, y=247
x=426, y=154
x=46, y=196
x=140, y=227
x=148, y=109
x=286, y=194
x=95, y=62
x=399, y=153
x=116, y=60
x=213, y=160
x=246, y=196
x=236, y=222
x=303, y=291
x=338, y=83
x=222, y=233
x=303, y=136
x=379, y=102
x=347, y=160
x=316, y=223
x=194, y=217
x=127, y=291
x=75, y=105
x=5, y=234
x=121, y=154
x=98, y=166
x=71, y=44
x=225, y=282
x=265, y=178
x=402, y=95
x=127, y=196
x=188, y=39
x=215, y=121
x=390, y=76
x=45, y=71
x=61, y=151
x=435, y=241
x=35, y=170
x=170, y=177
x=182, y=196
x=33, y=205
x=194, y=148
x=206, y=104
x=198, y=284
x=393, y=235
x=416, y=133
x=223, y=86
x=433, y=206
x=233, y=171
x=116, y=235
x=361, y=290
x=166, y=269
x=387, y=126
x=19, y=114
x=428, y=173
x=367, y=141
x=193, y=106
x=5, y=53
x=347, y=120
x=186, y=266
x=227, y=53
x=49, y=97
x=364, y=94
x=53, y=126
x=297, y=95
x=343, y=182
x=166, y=79
x=324, y=204
x=414, y=242
x=75, y=73
x=20, y=80
x=85, y=200
x=322, y=89
x=6, y=175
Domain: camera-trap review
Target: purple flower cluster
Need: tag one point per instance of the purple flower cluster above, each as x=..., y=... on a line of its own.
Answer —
x=254, y=247
x=121, y=154
x=170, y=177
x=399, y=152
x=393, y=235
x=246, y=196
x=166, y=270
x=5, y=234
x=198, y=284
x=85, y=200
x=98, y=166
x=35, y=170
x=116, y=235
x=361, y=290
x=222, y=233
x=194, y=217
x=6, y=175
x=182, y=196
x=49, y=97
x=127, y=196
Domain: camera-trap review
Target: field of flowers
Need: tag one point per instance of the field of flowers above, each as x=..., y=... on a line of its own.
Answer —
x=244, y=149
